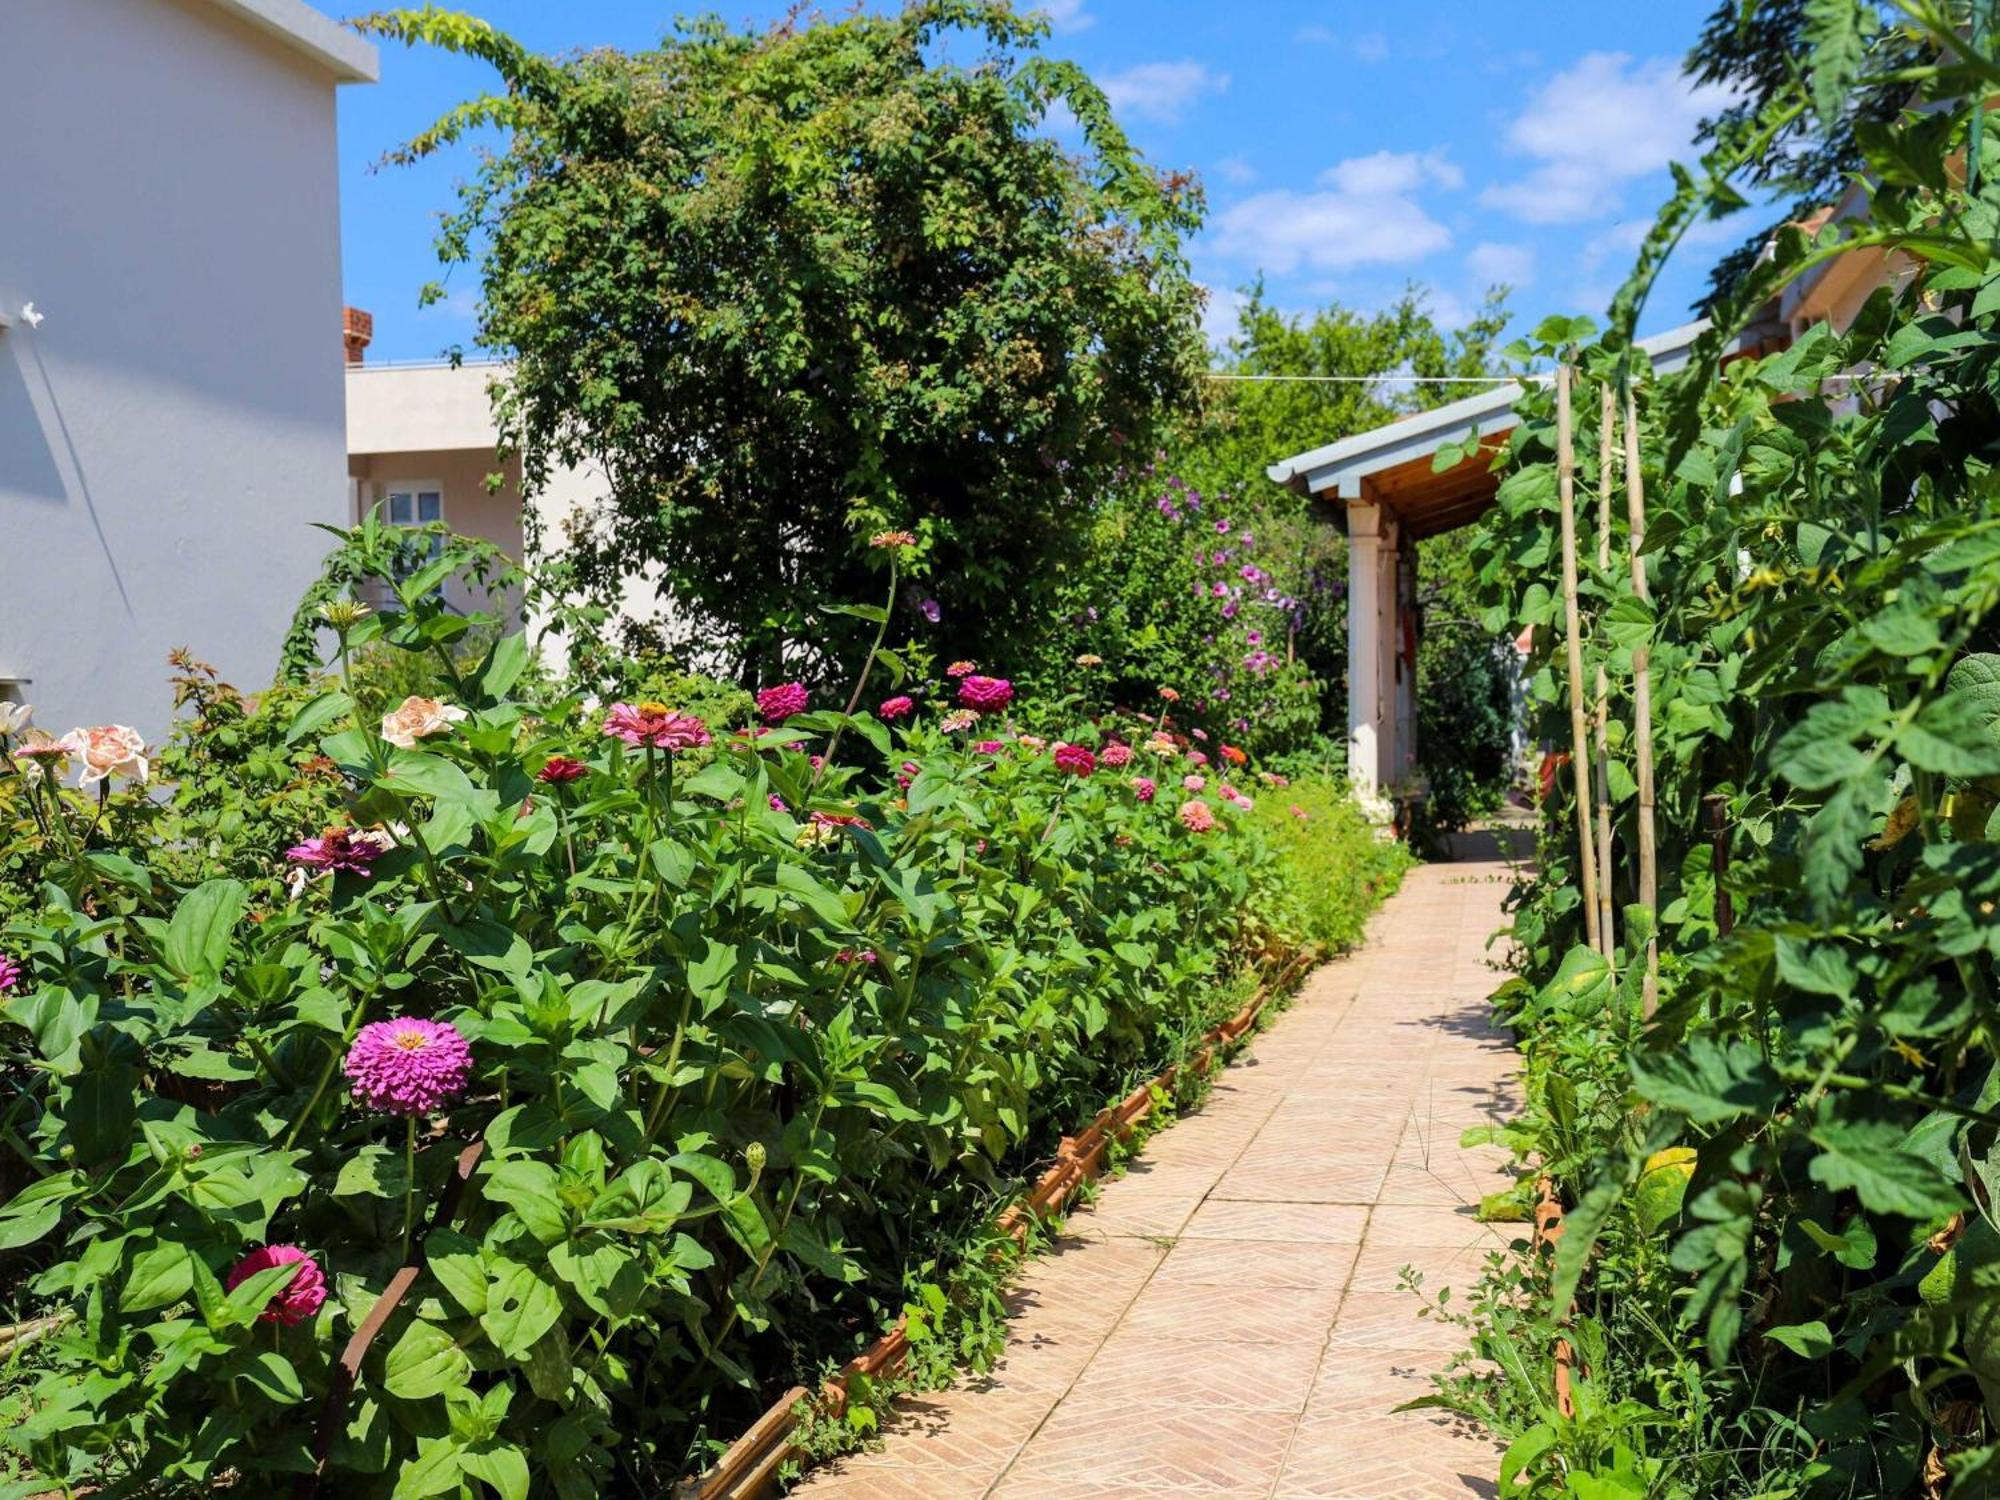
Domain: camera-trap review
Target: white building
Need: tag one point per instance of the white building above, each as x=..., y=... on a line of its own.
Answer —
x=171, y=409
x=422, y=446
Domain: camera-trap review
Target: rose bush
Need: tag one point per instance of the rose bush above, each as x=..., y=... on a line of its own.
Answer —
x=619, y=1066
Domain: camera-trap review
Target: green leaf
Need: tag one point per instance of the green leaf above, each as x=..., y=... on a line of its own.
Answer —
x=317, y=714
x=158, y=1277
x=203, y=926
x=500, y=1466
x=1581, y=1226
x=273, y=1374
x=1807, y=1340
x=520, y=1308
x=425, y=1362
x=434, y=1471
x=1708, y=1081
x=373, y=1172
x=505, y=663
x=454, y=1260
x=529, y=1188
x=1866, y=1156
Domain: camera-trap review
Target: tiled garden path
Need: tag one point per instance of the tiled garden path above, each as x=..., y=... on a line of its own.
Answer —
x=1226, y=1319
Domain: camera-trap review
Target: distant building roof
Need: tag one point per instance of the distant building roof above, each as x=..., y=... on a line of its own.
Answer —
x=298, y=26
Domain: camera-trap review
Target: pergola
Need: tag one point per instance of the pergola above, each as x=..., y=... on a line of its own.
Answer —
x=1386, y=498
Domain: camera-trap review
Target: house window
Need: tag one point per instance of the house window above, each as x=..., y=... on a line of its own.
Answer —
x=413, y=504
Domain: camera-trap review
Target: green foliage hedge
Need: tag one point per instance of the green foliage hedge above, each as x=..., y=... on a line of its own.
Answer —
x=760, y=1032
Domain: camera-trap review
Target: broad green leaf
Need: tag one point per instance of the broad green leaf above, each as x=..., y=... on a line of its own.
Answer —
x=520, y=1308
x=455, y=1261
x=317, y=714
x=203, y=925
x=1867, y=1157
x=425, y=1362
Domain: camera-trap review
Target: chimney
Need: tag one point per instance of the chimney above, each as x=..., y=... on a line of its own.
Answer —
x=356, y=329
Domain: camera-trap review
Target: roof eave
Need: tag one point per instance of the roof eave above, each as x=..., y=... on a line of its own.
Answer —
x=296, y=25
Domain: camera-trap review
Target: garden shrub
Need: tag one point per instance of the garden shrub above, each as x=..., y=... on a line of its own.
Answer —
x=1337, y=870
x=1776, y=1264
x=731, y=1042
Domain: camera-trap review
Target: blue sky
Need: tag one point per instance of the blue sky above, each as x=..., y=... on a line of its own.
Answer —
x=1347, y=148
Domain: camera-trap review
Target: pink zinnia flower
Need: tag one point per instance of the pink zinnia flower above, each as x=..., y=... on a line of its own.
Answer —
x=851, y=956
x=1034, y=742
x=10, y=973
x=908, y=773
x=779, y=703
x=897, y=707
x=560, y=770
x=1143, y=788
x=961, y=668
x=1196, y=817
x=777, y=803
x=990, y=747
x=1075, y=759
x=656, y=725
x=893, y=539
x=958, y=719
x=1196, y=758
x=1301, y=814
x=299, y=1298
x=1168, y=695
x=1115, y=755
x=1193, y=783
x=409, y=1066
x=986, y=694
x=340, y=849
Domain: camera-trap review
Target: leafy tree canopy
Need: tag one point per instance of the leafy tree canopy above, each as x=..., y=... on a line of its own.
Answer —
x=786, y=288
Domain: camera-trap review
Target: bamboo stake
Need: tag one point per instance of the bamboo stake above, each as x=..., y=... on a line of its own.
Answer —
x=1642, y=697
x=1579, y=731
x=1606, y=926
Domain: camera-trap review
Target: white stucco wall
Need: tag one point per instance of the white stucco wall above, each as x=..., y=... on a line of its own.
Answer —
x=171, y=431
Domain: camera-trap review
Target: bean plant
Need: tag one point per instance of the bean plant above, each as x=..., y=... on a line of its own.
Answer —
x=1779, y=1270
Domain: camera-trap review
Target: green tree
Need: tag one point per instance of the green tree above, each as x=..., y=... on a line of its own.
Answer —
x=786, y=288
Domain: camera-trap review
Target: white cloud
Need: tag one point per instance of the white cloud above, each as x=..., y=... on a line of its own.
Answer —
x=1160, y=91
x=1067, y=15
x=1596, y=126
x=1372, y=47
x=1235, y=169
x=1492, y=263
x=1366, y=213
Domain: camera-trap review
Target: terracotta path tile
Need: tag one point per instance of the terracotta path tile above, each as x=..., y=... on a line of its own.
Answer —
x=1226, y=1320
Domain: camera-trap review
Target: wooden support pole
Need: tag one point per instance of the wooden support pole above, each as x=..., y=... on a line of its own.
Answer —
x=1579, y=732
x=1642, y=697
x=1606, y=925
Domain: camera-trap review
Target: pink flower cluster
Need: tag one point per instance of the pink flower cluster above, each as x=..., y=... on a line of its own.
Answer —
x=656, y=725
x=779, y=703
x=299, y=1298
x=895, y=708
x=409, y=1066
x=340, y=849
x=985, y=694
x=1074, y=759
x=1116, y=755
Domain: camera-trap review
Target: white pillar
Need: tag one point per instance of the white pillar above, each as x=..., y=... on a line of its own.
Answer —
x=1368, y=728
x=1403, y=566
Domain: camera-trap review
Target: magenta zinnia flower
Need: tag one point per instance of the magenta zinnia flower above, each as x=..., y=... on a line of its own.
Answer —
x=779, y=703
x=10, y=973
x=990, y=747
x=897, y=707
x=408, y=1067
x=654, y=724
x=1143, y=788
x=1196, y=817
x=560, y=770
x=339, y=849
x=986, y=694
x=1074, y=759
x=299, y=1298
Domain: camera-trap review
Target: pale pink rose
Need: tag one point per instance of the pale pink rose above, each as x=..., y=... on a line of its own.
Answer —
x=107, y=750
x=417, y=719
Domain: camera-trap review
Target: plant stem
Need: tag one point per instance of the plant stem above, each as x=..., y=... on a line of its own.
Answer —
x=409, y=1184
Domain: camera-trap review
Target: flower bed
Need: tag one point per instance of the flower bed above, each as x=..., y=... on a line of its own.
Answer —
x=597, y=1071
